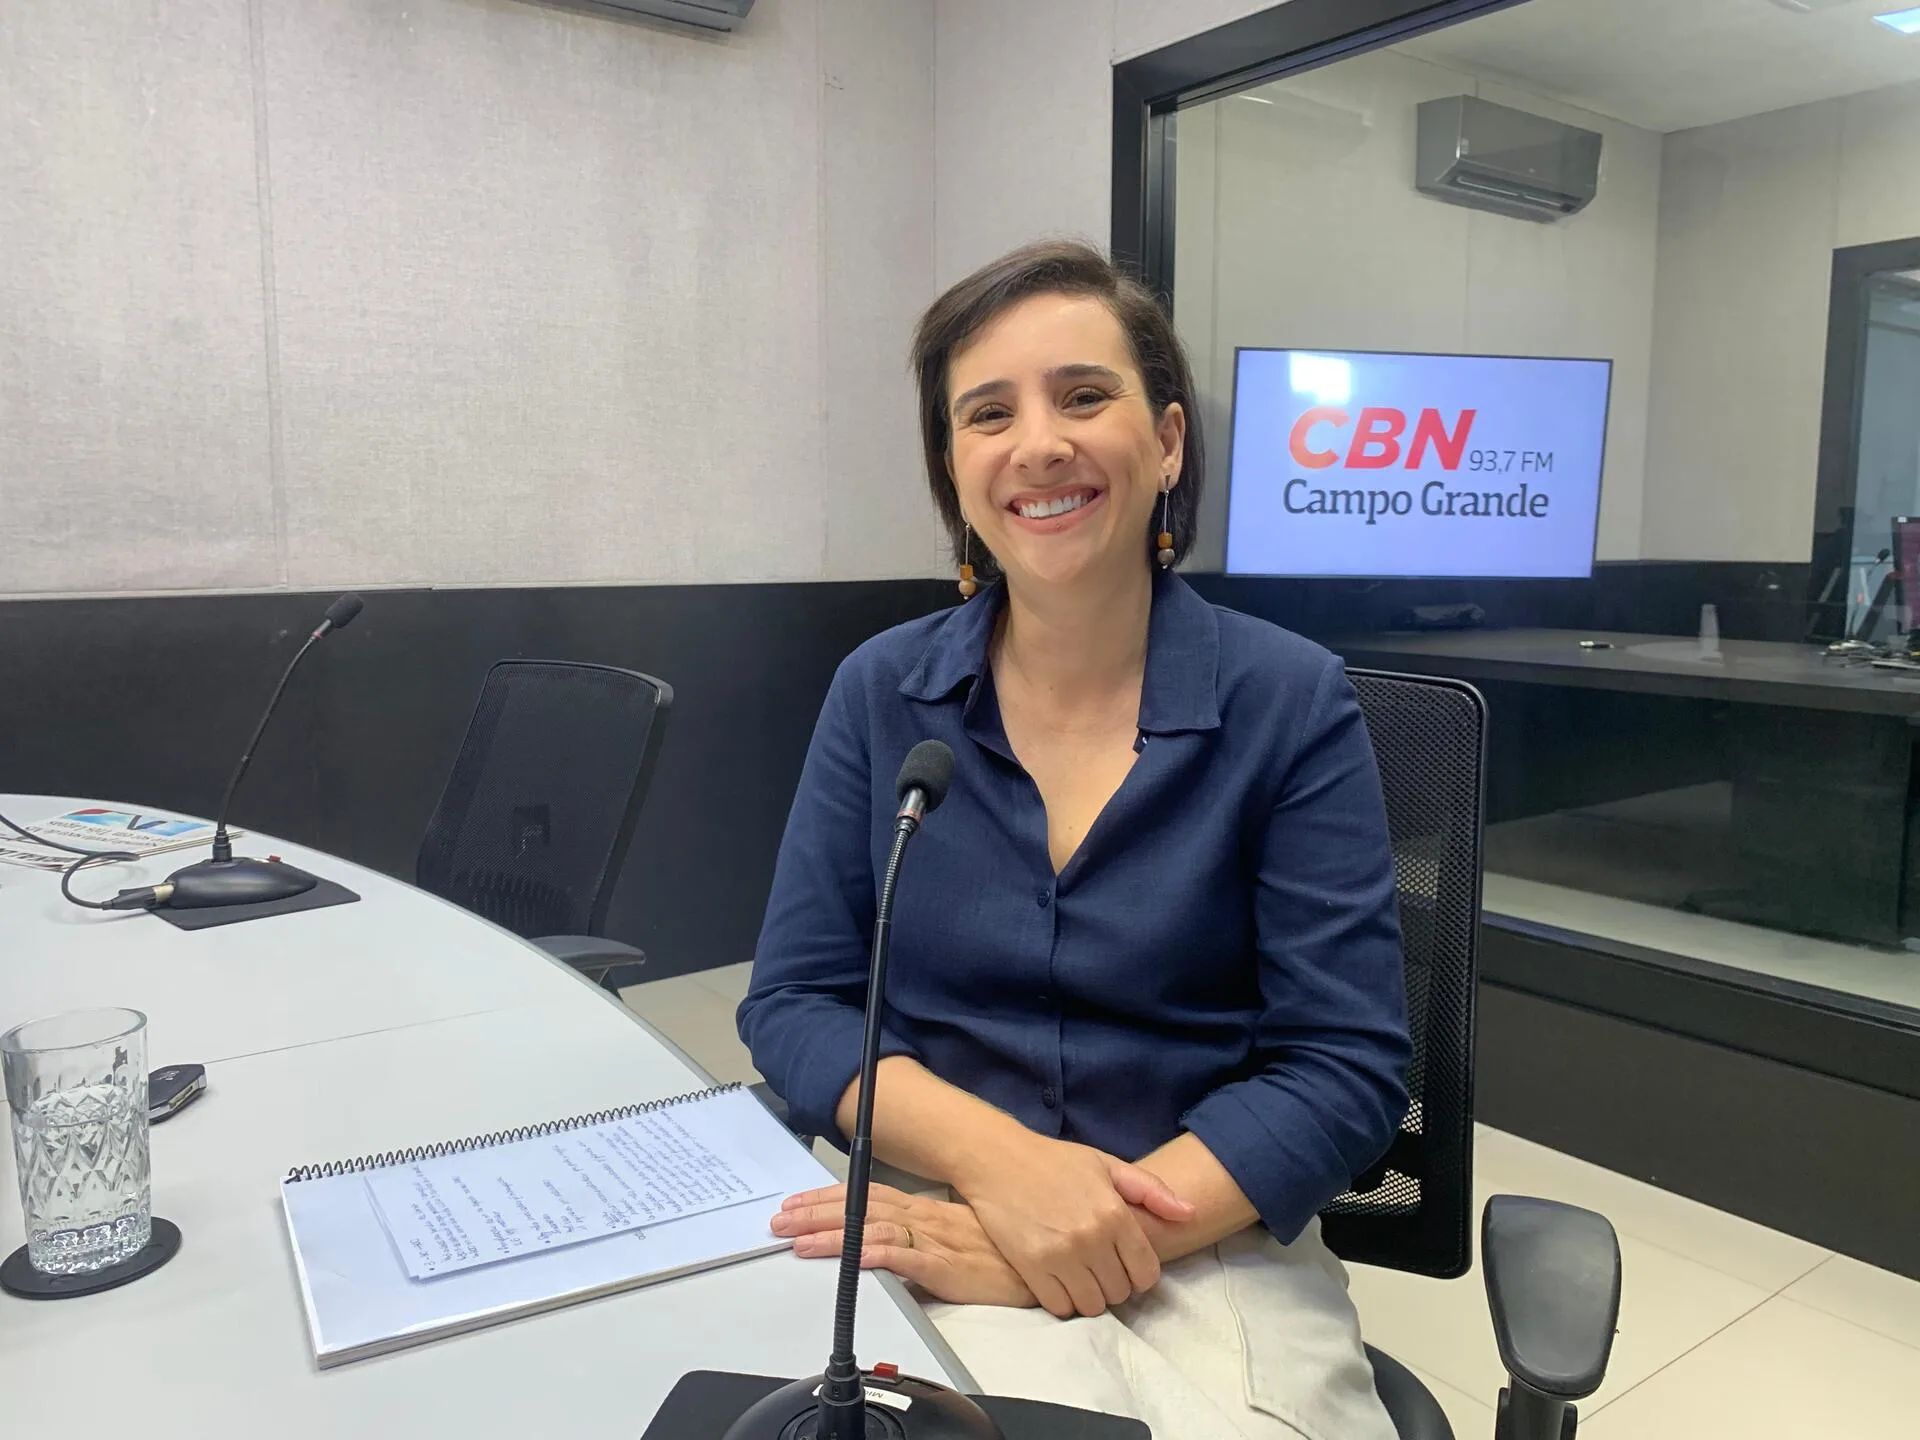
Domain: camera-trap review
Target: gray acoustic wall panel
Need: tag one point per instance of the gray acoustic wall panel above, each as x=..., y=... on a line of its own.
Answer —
x=876, y=191
x=459, y=292
x=545, y=294
x=133, y=371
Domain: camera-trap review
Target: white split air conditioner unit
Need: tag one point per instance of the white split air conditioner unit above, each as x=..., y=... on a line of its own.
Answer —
x=1491, y=157
x=708, y=14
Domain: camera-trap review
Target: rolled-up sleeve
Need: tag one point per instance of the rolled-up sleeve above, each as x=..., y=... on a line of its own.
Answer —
x=803, y=1016
x=1331, y=1041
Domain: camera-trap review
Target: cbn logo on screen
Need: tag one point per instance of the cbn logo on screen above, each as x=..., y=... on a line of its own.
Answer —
x=1384, y=463
x=1376, y=439
x=1380, y=441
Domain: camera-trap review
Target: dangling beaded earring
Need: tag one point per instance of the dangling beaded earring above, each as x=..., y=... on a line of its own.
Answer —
x=968, y=585
x=1166, y=535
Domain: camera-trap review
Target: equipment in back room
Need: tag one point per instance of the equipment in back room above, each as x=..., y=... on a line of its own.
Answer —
x=1893, y=596
x=1465, y=616
x=1485, y=156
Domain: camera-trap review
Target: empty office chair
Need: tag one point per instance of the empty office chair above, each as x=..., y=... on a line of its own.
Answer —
x=540, y=808
x=1552, y=1271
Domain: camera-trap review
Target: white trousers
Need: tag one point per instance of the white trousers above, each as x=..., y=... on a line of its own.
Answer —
x=1248, y=1340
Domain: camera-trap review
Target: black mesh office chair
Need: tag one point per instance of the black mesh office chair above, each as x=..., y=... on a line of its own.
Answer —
x=1552, y=1271
x=540, y=808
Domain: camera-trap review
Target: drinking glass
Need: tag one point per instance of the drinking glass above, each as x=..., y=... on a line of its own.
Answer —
x=77, y=1091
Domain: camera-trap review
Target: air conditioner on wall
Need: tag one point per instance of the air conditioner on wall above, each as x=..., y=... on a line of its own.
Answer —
x=708, y=14
x=1492, y=157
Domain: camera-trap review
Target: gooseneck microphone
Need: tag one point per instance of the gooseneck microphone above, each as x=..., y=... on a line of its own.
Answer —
x=339, y=615
x=224, y=880
x=921, y=786
x=844, y=1403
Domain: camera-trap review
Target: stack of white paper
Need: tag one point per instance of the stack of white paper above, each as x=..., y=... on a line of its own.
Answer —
x=462, y=1236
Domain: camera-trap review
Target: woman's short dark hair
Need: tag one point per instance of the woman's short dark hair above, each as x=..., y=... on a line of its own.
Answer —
x=1055, y=267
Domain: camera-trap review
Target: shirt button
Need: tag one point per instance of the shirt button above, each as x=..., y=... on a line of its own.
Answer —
x=1048, y=1098
x=1043, y=899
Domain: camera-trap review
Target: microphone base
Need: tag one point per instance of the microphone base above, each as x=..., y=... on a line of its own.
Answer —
x=214, y=883
x=923, y=1411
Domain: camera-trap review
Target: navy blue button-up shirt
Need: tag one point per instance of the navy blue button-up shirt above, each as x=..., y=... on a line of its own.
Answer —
x=1221, y=955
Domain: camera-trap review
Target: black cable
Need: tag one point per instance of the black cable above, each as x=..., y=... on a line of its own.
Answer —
x=101, y=858
x=87, y=857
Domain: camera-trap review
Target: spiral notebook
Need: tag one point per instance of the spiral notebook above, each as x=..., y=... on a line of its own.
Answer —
x=397, y=1249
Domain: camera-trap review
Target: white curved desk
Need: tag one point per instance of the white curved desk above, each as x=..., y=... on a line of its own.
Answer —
x=397, y=1021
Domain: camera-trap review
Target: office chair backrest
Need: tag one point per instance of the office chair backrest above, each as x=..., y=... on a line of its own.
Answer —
x=540, y=807
x=1414, y=1210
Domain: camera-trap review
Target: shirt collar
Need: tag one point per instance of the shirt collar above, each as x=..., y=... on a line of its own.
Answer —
x=1180, y=691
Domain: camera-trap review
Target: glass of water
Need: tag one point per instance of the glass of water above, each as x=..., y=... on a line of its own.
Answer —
x=77, y=1091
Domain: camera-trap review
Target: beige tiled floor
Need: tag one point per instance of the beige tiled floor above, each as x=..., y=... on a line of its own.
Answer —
x=1727, y=1329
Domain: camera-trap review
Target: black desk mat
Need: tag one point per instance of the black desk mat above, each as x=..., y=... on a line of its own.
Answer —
x=325, y=894
x=705, y=1402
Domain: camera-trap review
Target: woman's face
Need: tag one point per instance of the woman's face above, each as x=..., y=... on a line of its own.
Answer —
x=1057, y=457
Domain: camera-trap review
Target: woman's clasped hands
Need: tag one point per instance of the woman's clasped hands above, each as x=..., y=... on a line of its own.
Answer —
x=1035, y=1222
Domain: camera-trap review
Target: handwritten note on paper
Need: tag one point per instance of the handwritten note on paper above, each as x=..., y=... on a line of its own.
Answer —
x=456, y=1211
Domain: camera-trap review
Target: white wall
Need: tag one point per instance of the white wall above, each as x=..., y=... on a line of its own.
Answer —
x=1750, y=215
x=1143, y=25
x=134, y=446
x=1023, y=126
x=459, y=292
x=1024, y=114
x=1299, y=224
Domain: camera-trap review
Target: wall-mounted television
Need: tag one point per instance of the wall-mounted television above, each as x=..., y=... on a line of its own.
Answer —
x=1371, y=464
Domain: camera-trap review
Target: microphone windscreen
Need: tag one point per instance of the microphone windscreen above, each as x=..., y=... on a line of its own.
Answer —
x=928, y=769
x=341, y=612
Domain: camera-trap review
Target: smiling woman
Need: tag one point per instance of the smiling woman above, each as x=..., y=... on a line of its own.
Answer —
x=1146, y=1015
